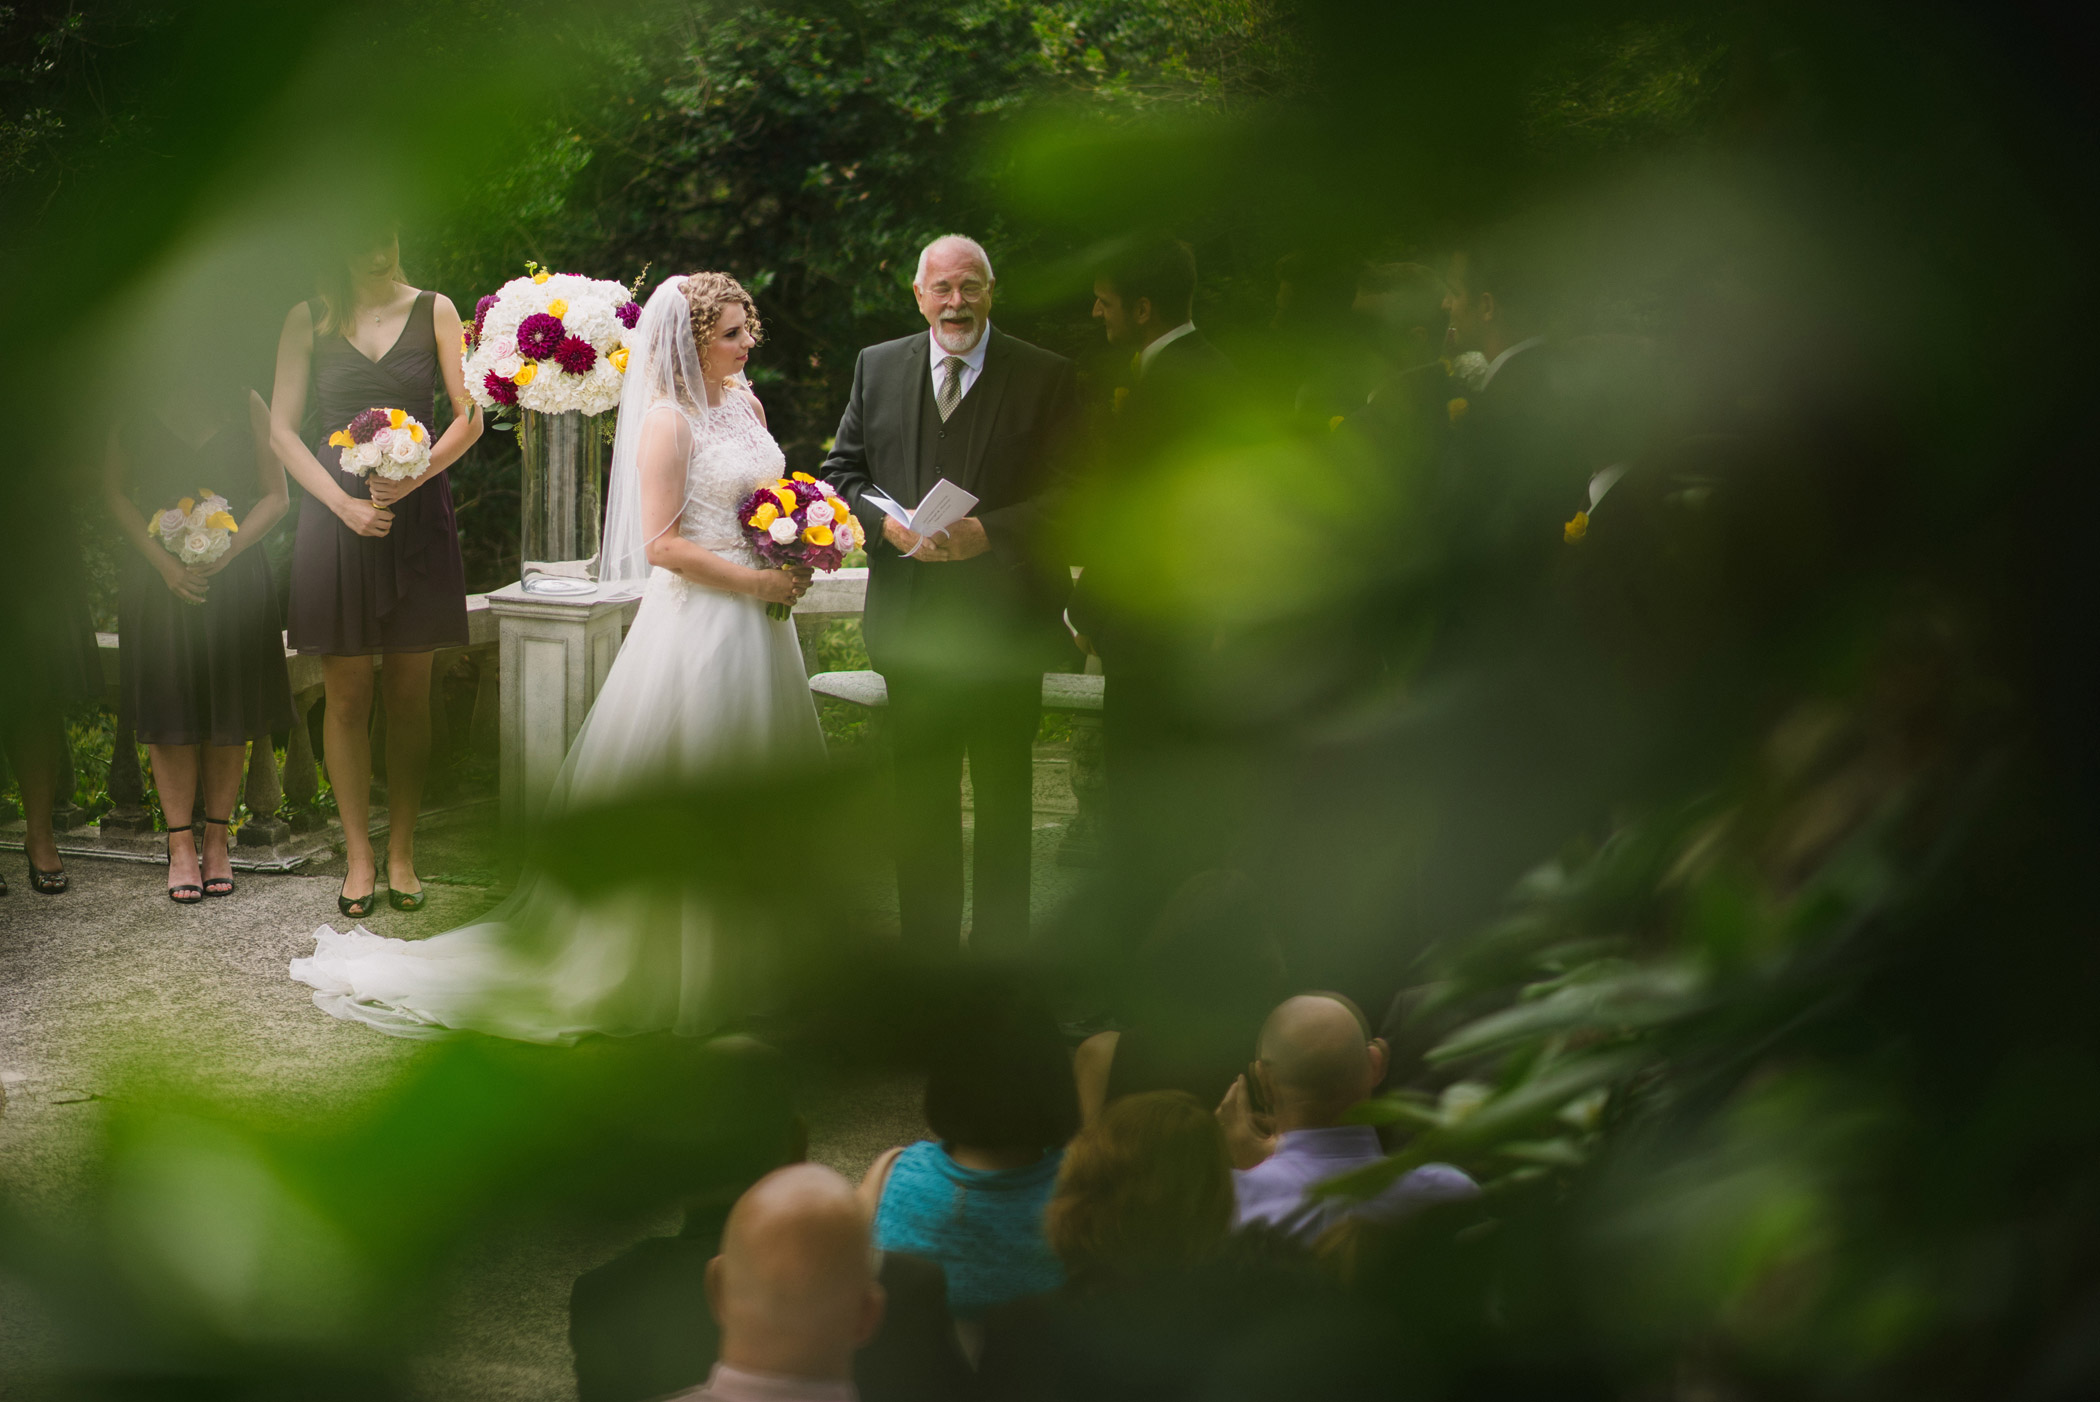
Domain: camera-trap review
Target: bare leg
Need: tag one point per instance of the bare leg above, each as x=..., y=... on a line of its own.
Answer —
x=407, y=682
x=32, y=750
x=175, y=777
x=346, y=731
x=222, y=790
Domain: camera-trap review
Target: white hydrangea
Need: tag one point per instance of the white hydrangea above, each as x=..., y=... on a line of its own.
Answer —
x=590, y=313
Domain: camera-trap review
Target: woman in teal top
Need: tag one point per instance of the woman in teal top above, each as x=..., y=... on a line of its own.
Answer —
x=1000, y=1098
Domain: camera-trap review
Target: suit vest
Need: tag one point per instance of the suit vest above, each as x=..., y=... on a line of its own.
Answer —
x=944, y=448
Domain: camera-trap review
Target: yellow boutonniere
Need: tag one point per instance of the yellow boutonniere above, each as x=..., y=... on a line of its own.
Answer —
x=1575, y=527
x=1456, y=408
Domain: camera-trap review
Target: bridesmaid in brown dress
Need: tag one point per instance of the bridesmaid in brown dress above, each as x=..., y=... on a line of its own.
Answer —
x=376, y=566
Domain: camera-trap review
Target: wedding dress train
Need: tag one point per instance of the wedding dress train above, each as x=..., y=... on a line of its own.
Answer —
x=705, y=681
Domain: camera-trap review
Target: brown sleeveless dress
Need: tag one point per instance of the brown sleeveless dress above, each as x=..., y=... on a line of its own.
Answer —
x=405, y=591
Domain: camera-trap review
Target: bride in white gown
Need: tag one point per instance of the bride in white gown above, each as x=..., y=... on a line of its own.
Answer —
x=705, y=681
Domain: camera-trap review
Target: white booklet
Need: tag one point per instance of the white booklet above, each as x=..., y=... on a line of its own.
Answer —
x=942, y=507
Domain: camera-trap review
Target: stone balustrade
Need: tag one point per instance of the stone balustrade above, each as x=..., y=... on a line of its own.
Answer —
x=538, y=663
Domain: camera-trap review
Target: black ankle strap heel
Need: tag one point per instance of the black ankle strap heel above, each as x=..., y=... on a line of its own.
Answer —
x=219, y=885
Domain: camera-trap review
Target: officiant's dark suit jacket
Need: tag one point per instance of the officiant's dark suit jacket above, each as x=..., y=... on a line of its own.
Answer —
x=998, y=615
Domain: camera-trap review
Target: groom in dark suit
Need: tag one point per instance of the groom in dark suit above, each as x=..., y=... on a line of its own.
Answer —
x=961, y=625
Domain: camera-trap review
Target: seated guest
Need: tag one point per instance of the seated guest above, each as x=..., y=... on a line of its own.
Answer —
x=1316, y=1060
x=999, y=1097
x=1157, y=1291
x=1145, y=1188
x=639, y=1325
x=1207, y=973
x=793, y=1291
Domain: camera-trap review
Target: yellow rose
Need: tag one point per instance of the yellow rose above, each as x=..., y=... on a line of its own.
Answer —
x=525, y=374
x=619, y=359
x=765, y=516
x=1576, y=527
x=1456, y=408
x=817, y=535
x=558, y=307
x=802, y=477
x=396, y=417
x=541, y=277
x=415, y=432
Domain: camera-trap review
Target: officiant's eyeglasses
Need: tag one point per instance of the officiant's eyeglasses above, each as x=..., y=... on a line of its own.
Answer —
x=972, y=291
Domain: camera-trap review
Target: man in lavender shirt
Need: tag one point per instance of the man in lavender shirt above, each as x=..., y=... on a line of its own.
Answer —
x=794, y=1291
x=1316, y=1058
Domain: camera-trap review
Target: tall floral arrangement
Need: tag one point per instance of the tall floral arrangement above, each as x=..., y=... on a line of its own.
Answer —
x=551, y=343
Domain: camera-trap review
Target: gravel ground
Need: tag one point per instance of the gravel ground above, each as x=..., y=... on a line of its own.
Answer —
x=113, y=966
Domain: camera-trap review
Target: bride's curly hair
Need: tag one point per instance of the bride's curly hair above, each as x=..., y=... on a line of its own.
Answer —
x=706, y=294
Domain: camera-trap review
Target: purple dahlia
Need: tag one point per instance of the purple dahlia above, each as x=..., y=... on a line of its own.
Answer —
x=499, y=389
x=539, y=335
x=368, y=423
x=629, y=314
x=575, y=355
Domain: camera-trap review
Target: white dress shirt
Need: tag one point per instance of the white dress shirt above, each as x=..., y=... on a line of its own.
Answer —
x=1499, y=361
x=1167, y=339
x=973, y=361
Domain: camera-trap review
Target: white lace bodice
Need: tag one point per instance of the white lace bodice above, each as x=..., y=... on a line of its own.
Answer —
x=732, y=454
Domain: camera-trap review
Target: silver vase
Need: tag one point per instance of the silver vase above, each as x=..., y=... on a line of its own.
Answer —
x=562, y=493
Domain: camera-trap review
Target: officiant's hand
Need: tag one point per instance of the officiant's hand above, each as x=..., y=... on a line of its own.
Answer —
x=962, y=541
x=903, y=538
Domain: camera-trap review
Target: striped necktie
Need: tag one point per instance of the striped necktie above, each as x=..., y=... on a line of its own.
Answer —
x=951, y=386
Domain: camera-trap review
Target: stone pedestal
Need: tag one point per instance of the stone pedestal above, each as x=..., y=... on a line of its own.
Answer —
x=555, y=654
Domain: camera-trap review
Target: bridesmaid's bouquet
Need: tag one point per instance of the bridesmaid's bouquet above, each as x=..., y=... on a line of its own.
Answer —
x=551, y=343
x=796, y=520
x=385, y=441
x=196, y=530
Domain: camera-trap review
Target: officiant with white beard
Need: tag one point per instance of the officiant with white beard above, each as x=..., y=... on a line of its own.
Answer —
x=962, y=623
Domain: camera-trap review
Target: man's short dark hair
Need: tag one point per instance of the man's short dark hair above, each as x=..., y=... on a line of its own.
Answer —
x=999, y=1076
x=1161, y=270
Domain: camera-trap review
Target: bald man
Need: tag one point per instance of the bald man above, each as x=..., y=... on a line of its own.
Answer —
x=1316, y=1058
x=794, y=1291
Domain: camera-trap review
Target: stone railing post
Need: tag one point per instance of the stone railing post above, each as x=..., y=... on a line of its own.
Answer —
x=127, y=788
x=302, y=784
x=65, y=813
x=263, y=795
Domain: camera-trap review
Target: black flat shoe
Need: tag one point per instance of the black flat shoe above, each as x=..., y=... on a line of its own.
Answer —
x=217, y=885
x=49, y=883
x=404, y=900
x=359, y=907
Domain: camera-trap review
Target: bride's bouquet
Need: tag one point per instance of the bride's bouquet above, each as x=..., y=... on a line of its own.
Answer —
x=385, y=441
x=550, y=342
x=196, y=530
x=796, y=520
